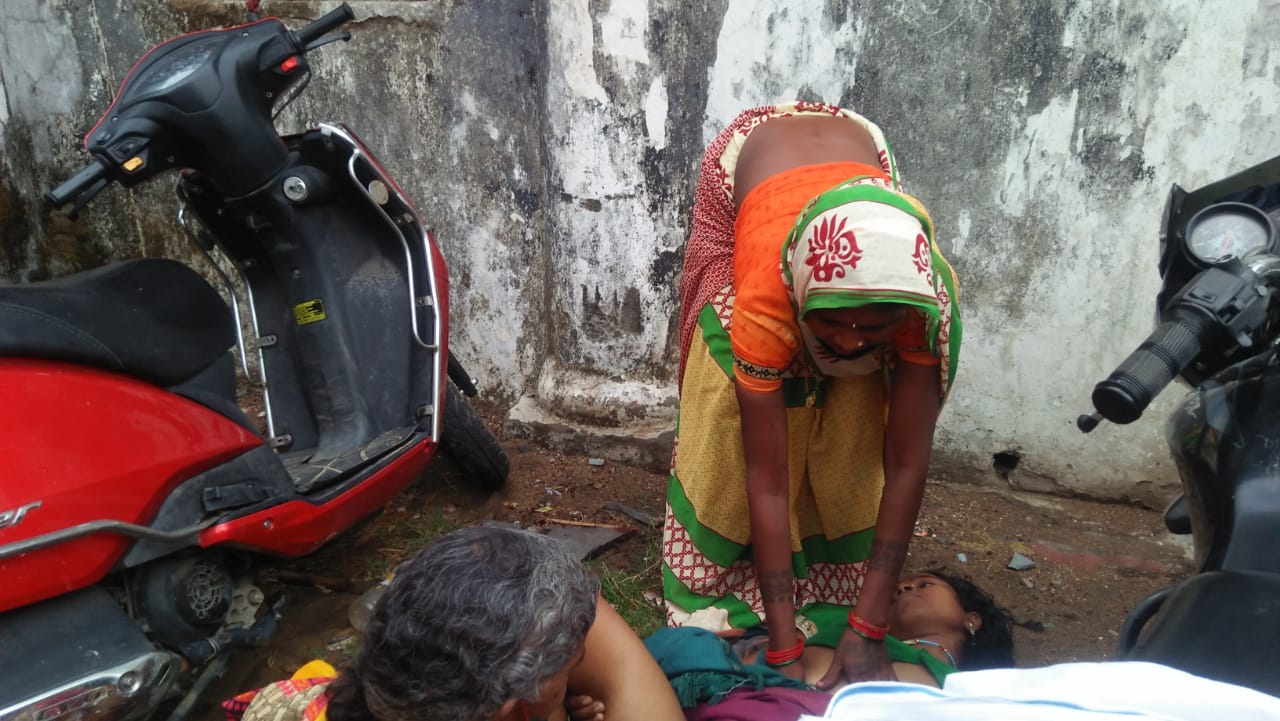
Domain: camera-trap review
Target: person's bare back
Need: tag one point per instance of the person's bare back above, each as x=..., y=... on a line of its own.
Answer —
x=790, y=142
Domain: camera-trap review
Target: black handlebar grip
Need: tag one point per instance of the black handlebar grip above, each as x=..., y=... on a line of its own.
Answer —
x=1127, y=392
x=76, y=184
x=329, y=21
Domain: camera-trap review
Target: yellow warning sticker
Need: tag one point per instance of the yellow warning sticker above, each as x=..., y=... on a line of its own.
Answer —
x=311, y=311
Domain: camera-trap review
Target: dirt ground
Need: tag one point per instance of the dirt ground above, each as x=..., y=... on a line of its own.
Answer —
x=1093, y=561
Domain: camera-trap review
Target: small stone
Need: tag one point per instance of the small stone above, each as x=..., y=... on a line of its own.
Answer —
x=1028, y=582
x=1020, y=562
x=962, y=557
x=595, y=461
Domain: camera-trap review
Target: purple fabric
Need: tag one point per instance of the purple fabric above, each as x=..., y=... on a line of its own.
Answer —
x=769, y=704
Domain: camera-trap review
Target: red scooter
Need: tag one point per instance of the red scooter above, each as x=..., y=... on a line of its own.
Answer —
x=135, y=490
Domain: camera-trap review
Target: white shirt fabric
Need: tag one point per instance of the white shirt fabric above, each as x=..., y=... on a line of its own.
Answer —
x=1106, y=691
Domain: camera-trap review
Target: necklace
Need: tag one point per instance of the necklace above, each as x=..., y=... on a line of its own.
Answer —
x=935, y=644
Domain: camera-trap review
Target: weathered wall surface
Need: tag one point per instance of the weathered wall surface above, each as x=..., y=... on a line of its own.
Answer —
x=555, y=144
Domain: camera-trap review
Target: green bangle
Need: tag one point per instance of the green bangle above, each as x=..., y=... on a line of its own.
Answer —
x=784, y=663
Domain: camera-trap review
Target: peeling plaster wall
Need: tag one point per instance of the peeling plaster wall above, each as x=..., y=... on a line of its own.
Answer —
x=554, y=146
x=446, y=93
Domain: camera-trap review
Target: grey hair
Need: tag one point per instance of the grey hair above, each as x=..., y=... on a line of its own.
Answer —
x=478, y=617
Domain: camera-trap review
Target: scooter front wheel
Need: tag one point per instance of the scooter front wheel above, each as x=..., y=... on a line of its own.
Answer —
x=468, y=441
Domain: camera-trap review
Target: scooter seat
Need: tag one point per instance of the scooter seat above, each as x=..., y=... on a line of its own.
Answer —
x=152, y=318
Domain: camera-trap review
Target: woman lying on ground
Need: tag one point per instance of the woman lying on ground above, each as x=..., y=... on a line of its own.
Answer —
x=483, y=624
x=939, y=623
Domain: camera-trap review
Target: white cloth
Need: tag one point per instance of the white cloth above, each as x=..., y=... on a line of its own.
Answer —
x=1108, y=691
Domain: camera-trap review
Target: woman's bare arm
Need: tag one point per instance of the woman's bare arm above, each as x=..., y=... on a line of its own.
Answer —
x=764, y=446
x=913, y=414
x=619, y=672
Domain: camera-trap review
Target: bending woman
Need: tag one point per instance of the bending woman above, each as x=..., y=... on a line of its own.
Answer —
x=819, y=338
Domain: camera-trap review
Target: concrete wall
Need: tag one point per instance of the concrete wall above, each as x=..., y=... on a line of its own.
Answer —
x=554, y=144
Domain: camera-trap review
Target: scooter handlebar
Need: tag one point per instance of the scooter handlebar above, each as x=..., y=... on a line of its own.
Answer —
x=67, y=191
x=1127, y=392
x=322, y=25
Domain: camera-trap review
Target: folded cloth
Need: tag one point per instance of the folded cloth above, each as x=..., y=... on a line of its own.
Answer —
x=1107, y=691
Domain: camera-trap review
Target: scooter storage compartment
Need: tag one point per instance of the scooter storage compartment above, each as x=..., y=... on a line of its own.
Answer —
x=1223, y=625
x=78, y=656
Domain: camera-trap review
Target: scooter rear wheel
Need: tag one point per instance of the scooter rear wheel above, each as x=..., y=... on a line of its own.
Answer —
x=468, y=441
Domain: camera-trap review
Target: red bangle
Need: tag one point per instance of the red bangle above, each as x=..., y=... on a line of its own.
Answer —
x=866, y=629
x=786, y=656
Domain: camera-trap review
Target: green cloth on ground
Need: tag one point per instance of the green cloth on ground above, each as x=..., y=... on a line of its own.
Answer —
x=702, y=667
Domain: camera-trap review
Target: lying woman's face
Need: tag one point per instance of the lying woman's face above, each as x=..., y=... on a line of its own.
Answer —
x=925, y=604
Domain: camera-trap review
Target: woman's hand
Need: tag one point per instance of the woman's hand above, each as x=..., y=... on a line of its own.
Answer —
x=858, y=659
x=584, y=708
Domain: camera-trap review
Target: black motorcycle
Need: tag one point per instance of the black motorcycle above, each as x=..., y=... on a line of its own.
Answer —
x=1218, y=331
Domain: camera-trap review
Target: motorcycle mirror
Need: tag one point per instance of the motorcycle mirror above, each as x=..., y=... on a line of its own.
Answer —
x=1088, y=421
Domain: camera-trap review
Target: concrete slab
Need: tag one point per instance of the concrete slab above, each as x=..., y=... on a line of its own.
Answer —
x=589, y=541
x=646, y=444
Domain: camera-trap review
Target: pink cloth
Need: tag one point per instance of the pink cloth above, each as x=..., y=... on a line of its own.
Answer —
x=769, y=704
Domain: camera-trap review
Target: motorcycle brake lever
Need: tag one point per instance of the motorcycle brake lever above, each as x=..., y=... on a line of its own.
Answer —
x=1088, y=421
x=84, y=197
x=320, y=42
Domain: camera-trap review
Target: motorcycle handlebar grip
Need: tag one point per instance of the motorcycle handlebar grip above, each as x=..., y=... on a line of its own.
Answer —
x=329, y=21
x=1127, y=392
x=76, y=184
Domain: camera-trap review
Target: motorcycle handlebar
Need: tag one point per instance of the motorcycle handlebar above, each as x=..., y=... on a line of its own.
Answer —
x=1127, y=392
x=67, y=191
x=329, y=21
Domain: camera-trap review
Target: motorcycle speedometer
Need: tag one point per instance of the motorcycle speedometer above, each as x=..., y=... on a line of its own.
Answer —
x=1228, y=230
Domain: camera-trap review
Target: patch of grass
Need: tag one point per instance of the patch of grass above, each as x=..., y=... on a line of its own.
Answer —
x=631, y=590
x=404, y=537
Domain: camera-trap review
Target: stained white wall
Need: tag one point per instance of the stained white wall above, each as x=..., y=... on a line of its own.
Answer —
x=554, y=145
x=1042, y=135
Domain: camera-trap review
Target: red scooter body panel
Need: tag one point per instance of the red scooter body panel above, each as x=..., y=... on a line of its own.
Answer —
x=81, y=445
x=296, y=528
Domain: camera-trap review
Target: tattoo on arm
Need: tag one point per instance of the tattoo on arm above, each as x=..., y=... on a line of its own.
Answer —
x=776, y=586
x=887, y=556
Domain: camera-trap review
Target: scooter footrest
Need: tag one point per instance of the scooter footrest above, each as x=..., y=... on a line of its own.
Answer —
x=317, y=473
